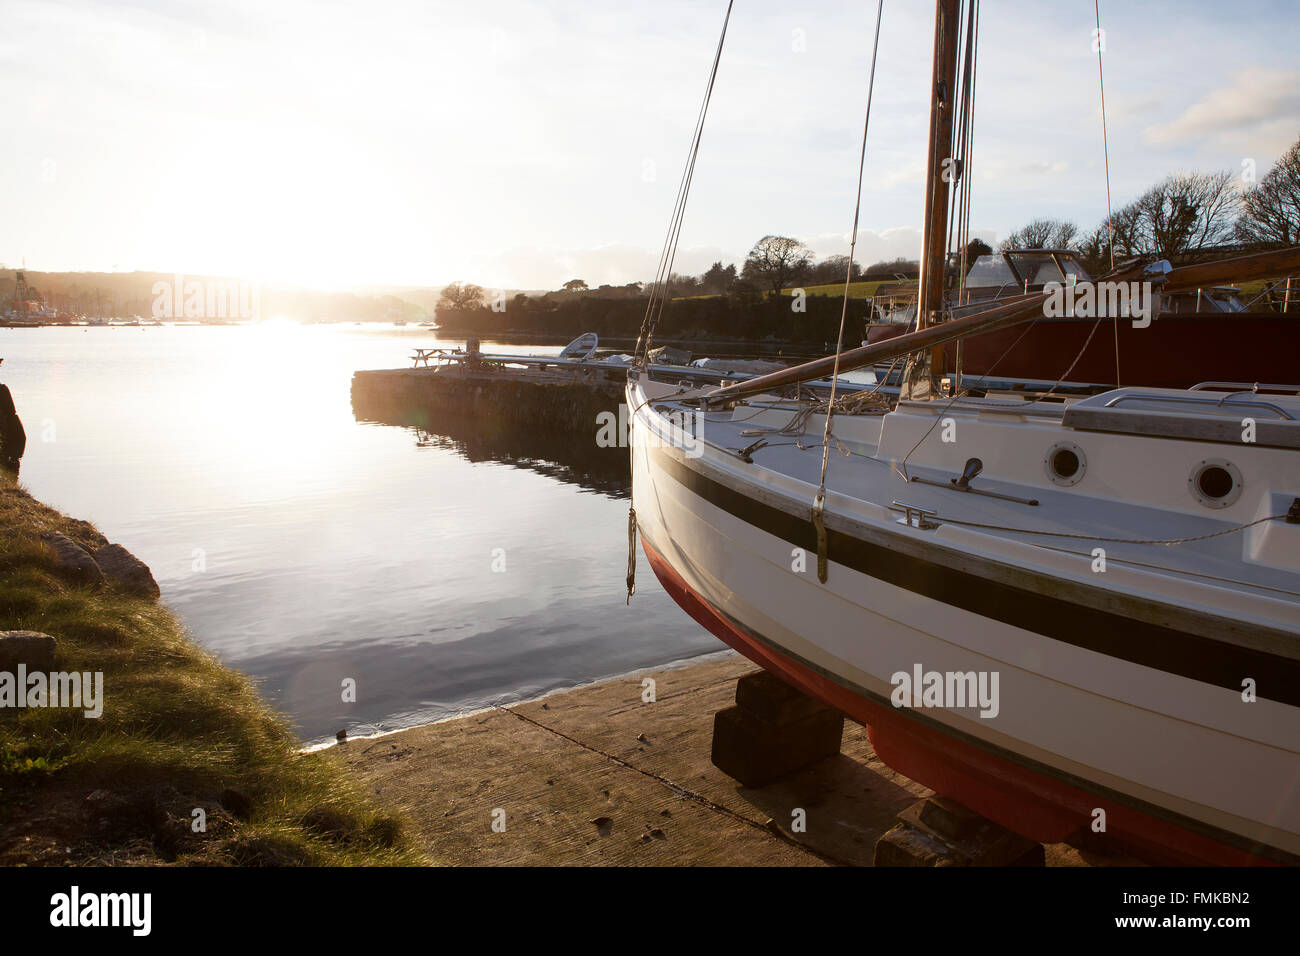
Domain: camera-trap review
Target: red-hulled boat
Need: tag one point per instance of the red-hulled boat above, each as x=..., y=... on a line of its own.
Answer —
x=1197, y=335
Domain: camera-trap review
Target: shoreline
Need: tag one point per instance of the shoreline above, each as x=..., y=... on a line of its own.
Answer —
x=324, y=743
x=182, y=761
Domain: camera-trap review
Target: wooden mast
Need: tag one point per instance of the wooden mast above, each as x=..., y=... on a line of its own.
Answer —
x=922, y=376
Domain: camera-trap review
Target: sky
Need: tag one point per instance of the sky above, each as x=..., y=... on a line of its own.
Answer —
x=522, y=143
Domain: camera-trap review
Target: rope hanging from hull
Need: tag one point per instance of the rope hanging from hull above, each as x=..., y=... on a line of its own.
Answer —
x=631, y=553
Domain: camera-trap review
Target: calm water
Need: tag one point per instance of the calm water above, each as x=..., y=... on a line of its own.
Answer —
x=304, y=547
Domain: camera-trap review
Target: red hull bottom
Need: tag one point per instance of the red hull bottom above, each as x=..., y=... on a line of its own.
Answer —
x=1036, y=806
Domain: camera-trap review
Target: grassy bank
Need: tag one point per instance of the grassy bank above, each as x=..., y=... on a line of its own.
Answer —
x=179, y=733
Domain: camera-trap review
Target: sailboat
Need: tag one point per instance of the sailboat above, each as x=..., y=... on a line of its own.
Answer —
x=1063, y=614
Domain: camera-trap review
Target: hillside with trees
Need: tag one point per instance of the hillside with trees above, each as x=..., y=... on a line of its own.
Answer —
x=128, y=294
x=752, y=304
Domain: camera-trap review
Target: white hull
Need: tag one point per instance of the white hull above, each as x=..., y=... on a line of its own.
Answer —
x=1164, y=743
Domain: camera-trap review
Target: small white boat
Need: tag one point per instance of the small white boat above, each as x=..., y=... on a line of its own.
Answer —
x=581, y=348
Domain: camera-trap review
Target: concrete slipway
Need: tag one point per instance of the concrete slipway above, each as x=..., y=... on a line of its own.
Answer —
x=597, y=776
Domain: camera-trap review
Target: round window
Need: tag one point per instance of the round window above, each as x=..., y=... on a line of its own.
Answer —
x=1215, y=483
x=1065, y=463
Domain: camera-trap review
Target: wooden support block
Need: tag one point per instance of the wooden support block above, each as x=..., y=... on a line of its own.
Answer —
x=755, y=752
x=773, y=701
x=907, y=846
x=939, y=832
x=947, y=818
x=773, y=733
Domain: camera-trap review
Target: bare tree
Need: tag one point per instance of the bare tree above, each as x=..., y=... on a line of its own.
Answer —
x=1042, y=234
x=461, y=296
x=1270, y=212
x=776, y=261
x=1183, y=213
x=1125, y=232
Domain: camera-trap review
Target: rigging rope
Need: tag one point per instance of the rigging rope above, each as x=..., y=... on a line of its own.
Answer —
x=1041, y=398
x=1105, y=150
x=659, y=290
x=957, y=199
x=819, y=502
x=960, y=207
x=668, y=256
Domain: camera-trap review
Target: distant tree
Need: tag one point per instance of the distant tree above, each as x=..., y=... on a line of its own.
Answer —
x=902, y=266
x=681, y=285
x=461, y=296
x=977, y=247
x=1119, y=238
x=1270, y=212
x=833, y=269
x=575, y=285
x=776, y=261
x=630, y=291
x=1042, y=234
x=1094, y=250
x=718, y=278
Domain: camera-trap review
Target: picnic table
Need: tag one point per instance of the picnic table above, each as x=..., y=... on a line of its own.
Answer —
x=422, y=356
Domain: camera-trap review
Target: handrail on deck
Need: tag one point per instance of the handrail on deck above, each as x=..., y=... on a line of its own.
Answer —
x=1244, y=387
x=1190, y=400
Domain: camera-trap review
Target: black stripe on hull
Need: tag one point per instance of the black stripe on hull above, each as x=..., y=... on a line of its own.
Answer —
x=1173, y=651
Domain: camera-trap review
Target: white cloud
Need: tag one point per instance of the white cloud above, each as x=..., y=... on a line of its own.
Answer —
x=873, y=246
x=1261, y=107
x=421, y=141
x=534, y=267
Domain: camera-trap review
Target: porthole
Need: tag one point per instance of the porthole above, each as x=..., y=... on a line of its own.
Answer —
x=1065, y=463
x=1215, y=483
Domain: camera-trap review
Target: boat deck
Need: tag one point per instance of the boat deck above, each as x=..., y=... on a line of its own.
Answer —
x=1072, y=521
